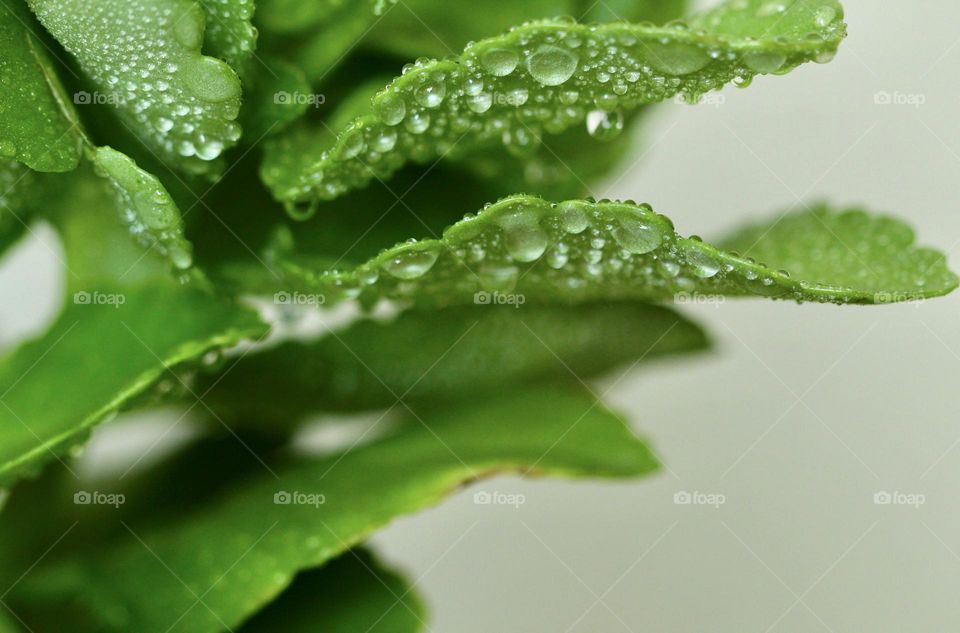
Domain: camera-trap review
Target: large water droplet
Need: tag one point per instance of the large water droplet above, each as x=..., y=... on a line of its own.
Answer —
x=211, y=80
x=500, y=62
x=573, y=219
x=552, y=65
x=431, y=93
x=676, y=58
x=764, y=61
x=701, y=263
x=525, y=240
x=411, y=264
x=637, y=236
x=391, y=108
x=603, y=125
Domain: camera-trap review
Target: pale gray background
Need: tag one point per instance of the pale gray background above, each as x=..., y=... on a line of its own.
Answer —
x=799, y=416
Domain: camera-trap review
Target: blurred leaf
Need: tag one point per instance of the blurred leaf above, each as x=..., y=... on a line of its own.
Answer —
x=107, y=346
x=240, y=551
x=451, y=355
x=541, y=78
x=229, y=32
x=350, y=594
x=144, y=60
x=37, y=125
x=581, y=251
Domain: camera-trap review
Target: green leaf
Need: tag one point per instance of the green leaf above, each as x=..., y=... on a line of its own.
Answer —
x=24, y=194
x=37, y=126
x=150, y=213
x=145, y=60
x=7, y=625
x=542, y=78
x=447, y=355
x=277, y=93
x=229, y=33
x=241, y=549
x=656, y=11
x=351, y=594
x=108, y=345
x=579, y=251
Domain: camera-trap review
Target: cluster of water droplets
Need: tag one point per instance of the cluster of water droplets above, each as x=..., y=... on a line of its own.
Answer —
x=145, y=207
x=541, y=78
x=145, y=57
x=575, y=250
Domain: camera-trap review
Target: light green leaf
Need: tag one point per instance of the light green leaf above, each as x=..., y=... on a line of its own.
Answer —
x=108, y=345
x=144, y=59
x=230, y=34
x=145, y=206
x=449, y=355
x=656, y=11
x=262, y=541
x=579, y=251
x=541, y=78
x=351, y=594
x=7, y=625
x=37, y=126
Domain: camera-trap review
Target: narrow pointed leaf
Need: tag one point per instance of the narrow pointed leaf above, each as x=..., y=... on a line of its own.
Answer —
x=268, y=540
x=448, y=355
x=543, y=78
x=144, y=59
x=107, y=346
x=350, y=594
x=37, y=126
x=578, y=251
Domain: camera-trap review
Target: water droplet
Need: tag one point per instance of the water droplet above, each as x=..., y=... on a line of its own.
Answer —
x=498, y=278
x=411, y=264
x=391, y=108
x=825, y=15
x=525, y=240
x=211, y=80
x=385, y=140
x=603, y=125
x=764, y=61
x=573, y=219
x=480, y=103
x=431, y=93
x=417, y=122
x=552, y=65
x=637, y=236
x=702, y=263
x=676, y=58
x=500, y=62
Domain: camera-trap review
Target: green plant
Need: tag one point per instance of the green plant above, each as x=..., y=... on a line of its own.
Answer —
x=248, y=163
